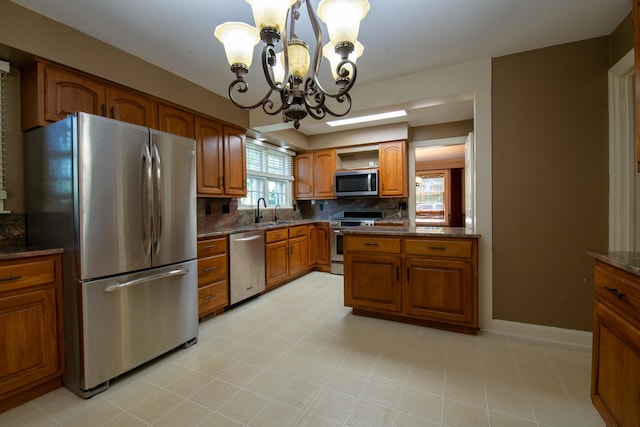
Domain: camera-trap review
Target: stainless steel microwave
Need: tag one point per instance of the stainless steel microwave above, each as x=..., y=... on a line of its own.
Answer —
x=362, y=182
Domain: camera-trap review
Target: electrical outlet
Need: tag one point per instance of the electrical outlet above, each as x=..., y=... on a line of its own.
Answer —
x=207, y=209
x=402, y=206
x=321, y=207
x=225, y=208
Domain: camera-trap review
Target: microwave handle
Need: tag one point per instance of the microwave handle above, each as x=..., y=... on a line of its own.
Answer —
x=369, y=180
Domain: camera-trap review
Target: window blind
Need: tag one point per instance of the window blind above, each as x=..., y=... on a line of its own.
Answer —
x=269, y=161
x=4, y=69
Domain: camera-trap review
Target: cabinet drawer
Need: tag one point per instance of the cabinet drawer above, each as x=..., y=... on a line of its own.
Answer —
x=444, y=248
x=16, y=274
x=276, y=235
x=297, y=231
x=212, y=297
x=372, y=244
x=619, y=288
x=212, y=247
x=212, y=269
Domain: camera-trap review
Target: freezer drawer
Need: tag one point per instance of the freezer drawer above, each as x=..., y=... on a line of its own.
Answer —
x=130, y=319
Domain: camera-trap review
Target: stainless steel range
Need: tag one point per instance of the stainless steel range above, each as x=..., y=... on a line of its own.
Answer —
x=348, y=219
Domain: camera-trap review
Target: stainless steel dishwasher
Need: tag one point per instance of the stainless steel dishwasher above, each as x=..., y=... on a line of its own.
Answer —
x=246, y=254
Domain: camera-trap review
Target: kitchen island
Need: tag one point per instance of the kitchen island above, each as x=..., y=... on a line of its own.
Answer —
x=420, y=275
x=615, y=368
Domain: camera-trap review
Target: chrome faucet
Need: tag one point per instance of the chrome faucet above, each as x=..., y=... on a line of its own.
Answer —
x=275, y=212
x=264, y=203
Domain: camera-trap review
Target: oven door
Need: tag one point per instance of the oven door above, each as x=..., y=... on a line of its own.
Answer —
x=337, y=255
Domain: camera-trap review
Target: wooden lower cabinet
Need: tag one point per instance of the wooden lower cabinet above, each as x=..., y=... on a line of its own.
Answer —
x=430, y=281
x=31, y=328
x=323, y=248
x=276, y=263
x=213, y=275
x=615, y=378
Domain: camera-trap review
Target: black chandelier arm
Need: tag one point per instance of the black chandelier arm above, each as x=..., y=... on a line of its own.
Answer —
x=241, y=86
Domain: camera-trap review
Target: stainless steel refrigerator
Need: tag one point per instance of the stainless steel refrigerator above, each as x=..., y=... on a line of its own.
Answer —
x=121, y=200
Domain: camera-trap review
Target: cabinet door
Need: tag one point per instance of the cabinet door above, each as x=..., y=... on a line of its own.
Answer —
x=298, y=255
x=373, y=282
x=130, y=107
x=209, y=157
x=615, y=388
x=393, y=169
x=313, y=245
x=276, y=262
x=29, y=337
x=303, y=184
x=67, y=93
x=235, y=169
x=176, y=121
x=323, y=254
x=439, y=290
x=324, y=168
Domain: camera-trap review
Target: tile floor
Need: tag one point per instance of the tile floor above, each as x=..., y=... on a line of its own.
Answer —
x=297, y=357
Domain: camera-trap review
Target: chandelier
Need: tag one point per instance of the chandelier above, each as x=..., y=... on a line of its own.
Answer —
x=289, y=72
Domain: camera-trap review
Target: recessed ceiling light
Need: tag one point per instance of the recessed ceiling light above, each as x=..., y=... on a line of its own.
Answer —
x=369, y=118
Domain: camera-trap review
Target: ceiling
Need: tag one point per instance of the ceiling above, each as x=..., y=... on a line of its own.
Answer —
x=400, y=37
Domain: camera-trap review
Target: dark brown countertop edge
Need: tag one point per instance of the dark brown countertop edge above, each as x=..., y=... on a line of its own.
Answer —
x=15, y=253
x=627, y=261
x=414, y=231
x=203, y=234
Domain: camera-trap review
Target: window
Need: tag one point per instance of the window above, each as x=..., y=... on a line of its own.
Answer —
x=431, y=197
x=269, y=175
x=4, y=68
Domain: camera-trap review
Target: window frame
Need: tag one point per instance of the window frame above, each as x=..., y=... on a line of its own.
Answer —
x=445, y=196
x=287, y=178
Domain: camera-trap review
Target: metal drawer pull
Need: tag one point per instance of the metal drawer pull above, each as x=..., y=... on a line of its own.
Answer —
x=206, y=270
x=210, y=246
x=208, y=297
x=615, y=292
x=375, y=245
x=10, y=278
x=437, y=248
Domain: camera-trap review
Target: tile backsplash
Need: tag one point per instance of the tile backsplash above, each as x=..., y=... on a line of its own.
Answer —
x=12, y=230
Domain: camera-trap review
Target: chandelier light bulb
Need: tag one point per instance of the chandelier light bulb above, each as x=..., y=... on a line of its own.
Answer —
x=343, y=19
x=270, y=13
x=238, y=39
x=329, y=52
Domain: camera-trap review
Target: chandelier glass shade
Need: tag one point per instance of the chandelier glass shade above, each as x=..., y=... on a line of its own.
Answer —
x=291, y=72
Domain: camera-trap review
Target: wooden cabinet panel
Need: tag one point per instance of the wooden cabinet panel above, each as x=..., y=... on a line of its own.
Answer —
x=615, y=388
x=323, y=254
x=31, y=328
x=235, y=169
x=213, y=275
x=373, y=244
x=324, y=168
x=303, y=184
x=298, y=231
x=298, y=254
x=209, y=157
x=439, y=248
x=374, y=282
x=438, y=289
x=393, y=169
x=276, y=263
x=67, y=93
x=314, y=174
x=130, y=107
x=312, y=246
x=276, y=235
x=176, y=121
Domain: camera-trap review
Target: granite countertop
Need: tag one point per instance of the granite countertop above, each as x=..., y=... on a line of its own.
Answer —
x=413, y=231
x=627, y=261
x=223, y=231
x=24, y=252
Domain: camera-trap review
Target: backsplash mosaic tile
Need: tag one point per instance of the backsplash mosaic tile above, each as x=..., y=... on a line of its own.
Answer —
x=12, y=230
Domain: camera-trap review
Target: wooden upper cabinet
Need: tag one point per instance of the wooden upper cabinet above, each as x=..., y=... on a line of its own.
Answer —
x=314, y=172
x=176, y=121
x=303, y=186
x=130, y=107
x=324, y=169
x=235, y=167
x=220, y=155
x=68, y=93
x=209, y=157
x=393, y=169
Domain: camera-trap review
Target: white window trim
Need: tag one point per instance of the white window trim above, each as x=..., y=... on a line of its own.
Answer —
x=4, y=69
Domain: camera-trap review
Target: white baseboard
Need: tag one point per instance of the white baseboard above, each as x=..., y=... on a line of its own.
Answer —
x=552, y=334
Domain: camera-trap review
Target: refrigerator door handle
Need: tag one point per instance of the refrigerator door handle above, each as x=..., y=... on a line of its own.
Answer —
x=158, y=197
x=147, y=216
x=129, y=283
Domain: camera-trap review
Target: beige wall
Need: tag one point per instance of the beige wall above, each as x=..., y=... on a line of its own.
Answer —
x=442, y=130
x=550, y=181
x=621, y=40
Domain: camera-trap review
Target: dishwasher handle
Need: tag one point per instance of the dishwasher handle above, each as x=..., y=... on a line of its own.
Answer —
x=247, y=239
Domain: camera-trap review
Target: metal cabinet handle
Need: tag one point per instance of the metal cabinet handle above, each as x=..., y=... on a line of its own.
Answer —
x=10, y=278
x=437, y=248
x=210, y=246
x=615, y=292
x=208, y=297
x=206, y=270
x=374, y=245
